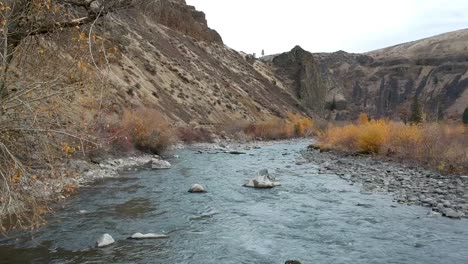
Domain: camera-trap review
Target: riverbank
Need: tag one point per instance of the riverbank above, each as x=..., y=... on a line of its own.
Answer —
x=446, y=195
x=320, y=217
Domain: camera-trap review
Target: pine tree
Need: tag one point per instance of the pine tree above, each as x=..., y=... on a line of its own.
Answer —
x=416, y=112
x=465, y=116
x=263, y=52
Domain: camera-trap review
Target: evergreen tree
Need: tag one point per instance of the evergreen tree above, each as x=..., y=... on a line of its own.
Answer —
x=416, y=112
x=465, y=116
x=263, y=52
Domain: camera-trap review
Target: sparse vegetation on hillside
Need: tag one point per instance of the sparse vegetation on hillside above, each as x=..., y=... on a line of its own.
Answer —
x=440, y=146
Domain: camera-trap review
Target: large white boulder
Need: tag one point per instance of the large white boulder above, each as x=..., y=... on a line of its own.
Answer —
x=147, y=236
x=262, y=180
x=105, y=240
x=197, y=188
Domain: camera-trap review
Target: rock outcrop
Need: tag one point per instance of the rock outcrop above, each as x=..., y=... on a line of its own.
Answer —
x=382, y=83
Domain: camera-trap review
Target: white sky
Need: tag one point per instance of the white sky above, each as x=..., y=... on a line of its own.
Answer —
x=329, y=25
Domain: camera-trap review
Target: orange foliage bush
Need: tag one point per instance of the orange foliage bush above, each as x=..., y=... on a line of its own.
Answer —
x=442, y=146
x=146, y=129
x=363, y=118
x=302, y=125
x=295, y=125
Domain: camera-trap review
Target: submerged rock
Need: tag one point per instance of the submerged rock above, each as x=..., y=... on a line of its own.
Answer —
x=158, y=164
x=105, y=240
x=292, y=262
x=235, y=152
x=197, y=188
x=147, y=236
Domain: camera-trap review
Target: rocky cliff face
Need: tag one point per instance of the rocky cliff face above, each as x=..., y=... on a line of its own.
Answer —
x=179, y=16
x=383, y=83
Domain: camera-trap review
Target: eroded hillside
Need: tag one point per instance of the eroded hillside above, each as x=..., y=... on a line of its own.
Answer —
x=159, y=54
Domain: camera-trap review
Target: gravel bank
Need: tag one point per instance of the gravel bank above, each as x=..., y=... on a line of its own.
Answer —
x=446, y=195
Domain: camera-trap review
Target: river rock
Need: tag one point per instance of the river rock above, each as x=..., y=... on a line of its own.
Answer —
x=236, y=152
x=197, y=188
x=105, y=240
x=262, y=182
x=450, y=213
x=292, y=262
x=158, y=164
x=147, y=236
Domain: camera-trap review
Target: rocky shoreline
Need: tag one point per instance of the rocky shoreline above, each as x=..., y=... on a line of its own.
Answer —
x=445, y=195
x=86, y=172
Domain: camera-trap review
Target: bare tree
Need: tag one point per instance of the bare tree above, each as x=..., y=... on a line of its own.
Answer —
x=20, y=19
x=31, y=138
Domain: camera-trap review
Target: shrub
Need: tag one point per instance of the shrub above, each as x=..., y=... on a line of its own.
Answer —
x=146, y=130
x=295, y=125
x=372, y=136
x=270, y=130
x=363, y=118
x=302, y=126
x=191, y=134
x=440, y=146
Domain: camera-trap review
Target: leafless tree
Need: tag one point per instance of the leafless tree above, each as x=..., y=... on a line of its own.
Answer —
x=20, y=19
x=25, y=135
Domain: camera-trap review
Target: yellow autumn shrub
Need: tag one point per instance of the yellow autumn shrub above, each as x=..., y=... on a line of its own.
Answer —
x=372, y=136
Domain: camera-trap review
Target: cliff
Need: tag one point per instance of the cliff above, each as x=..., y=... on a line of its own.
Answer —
x=383, y=83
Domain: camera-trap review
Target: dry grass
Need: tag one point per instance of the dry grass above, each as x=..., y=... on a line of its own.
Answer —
x=440, y=146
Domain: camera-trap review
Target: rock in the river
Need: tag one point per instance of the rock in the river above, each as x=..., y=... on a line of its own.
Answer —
x=292, y=262
x=105, y=240
x=197, y=188
x=235, y=152
x=262, y=182
x=147, y=236
x=450, y=213
x=159, y=164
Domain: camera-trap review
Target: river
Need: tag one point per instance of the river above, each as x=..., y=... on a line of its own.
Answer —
x=312, y=217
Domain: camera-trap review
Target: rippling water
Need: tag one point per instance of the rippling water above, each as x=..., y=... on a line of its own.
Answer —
x=313, y=218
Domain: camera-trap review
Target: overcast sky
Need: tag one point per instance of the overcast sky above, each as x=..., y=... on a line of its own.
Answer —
x=329, y=25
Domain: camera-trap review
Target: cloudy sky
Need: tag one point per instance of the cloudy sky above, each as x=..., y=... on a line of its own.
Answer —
x=329, y=25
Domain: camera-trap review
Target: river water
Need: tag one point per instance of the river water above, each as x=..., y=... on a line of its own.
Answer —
x=312, y=218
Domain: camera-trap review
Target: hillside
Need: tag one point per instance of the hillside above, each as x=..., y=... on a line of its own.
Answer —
x=448, y=44
x=161, y=55
x=383, y=83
